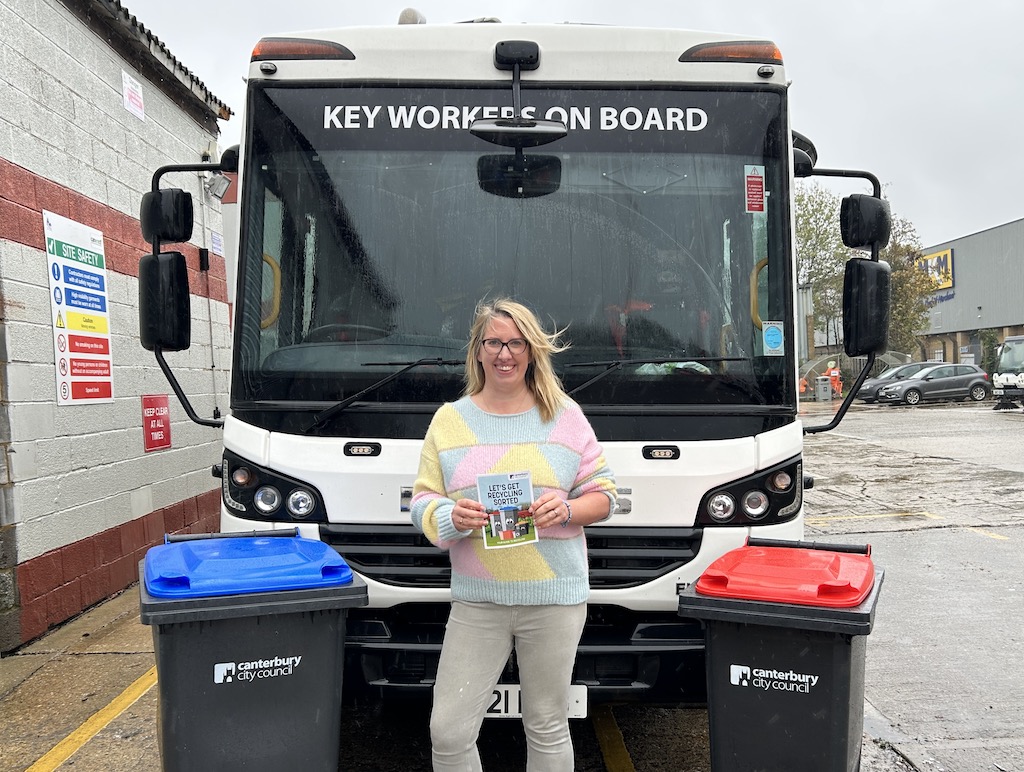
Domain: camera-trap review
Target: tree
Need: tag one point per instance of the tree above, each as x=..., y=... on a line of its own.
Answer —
x=821, y=255
x=821, y=259
x=910, y=287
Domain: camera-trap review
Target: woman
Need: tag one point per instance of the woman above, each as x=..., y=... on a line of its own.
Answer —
x=514, y=416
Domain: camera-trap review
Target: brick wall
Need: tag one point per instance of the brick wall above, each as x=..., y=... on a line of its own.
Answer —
x=59, y=584
x=80, y=500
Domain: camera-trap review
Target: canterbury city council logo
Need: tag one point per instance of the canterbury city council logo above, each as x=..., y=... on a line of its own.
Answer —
x=255, y=670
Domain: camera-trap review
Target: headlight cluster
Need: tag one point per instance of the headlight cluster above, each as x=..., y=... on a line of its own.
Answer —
x=771, y=496
x=255, y=492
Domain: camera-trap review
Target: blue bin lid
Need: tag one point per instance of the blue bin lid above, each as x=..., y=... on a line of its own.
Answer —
x=242, y=564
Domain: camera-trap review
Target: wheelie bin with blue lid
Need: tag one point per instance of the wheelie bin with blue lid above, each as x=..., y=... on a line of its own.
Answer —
x=785, y=631
x=249, y=634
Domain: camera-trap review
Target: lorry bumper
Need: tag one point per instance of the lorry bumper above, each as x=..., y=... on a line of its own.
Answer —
x=624, y=656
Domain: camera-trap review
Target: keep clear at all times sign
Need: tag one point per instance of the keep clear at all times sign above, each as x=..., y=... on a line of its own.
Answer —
x=79, y=311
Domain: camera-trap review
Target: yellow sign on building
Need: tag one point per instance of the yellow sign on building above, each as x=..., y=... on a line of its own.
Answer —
x=939, y=265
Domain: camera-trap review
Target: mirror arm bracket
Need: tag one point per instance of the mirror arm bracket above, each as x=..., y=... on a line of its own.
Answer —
x=517, y=97
x=176, y=387
x=861, y=377
x=161, y=171
x=876, y=188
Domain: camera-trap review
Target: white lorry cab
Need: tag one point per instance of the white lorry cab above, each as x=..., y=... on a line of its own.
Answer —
x=1008, y=379
x=633, y=186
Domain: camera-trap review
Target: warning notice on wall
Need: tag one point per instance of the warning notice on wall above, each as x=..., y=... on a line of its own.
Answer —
x=79, y=312
x=131, y=94
x=156, y=422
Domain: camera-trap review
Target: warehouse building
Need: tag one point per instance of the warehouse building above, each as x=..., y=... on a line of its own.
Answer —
x=979, y=295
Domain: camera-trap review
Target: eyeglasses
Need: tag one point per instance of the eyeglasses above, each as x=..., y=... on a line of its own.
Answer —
x=514, y=346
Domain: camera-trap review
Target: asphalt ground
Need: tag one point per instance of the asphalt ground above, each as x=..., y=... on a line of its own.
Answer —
x=943, y=686
x=84, y=697
x=937, y=491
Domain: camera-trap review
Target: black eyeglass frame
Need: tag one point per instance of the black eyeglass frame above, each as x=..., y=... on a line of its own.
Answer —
x=487, y=344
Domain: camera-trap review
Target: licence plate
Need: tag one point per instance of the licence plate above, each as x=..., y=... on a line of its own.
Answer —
x=506, y=702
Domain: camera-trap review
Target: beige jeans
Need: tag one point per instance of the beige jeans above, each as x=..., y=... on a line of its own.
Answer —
x=477, y=643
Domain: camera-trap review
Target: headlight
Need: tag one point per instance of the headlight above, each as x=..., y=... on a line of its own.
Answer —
x=257, y=492
x=755, y=504
x=721, y=507
x=771, y=495
x=300, y=503
x=242, y=476
x=780, y=482
x=267, y=499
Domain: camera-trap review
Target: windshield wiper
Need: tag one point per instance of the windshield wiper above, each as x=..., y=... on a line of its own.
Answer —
x=333, y=410
x=618, y=364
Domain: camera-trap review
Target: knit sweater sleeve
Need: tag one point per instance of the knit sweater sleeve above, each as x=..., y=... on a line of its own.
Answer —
x=431, y=508
x=594, y=473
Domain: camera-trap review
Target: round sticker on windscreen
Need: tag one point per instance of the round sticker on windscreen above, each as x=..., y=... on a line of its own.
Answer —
x=772, y=337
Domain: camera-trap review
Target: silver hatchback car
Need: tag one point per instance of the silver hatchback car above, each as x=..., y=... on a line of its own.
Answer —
x=869, y=389
x=957, y=382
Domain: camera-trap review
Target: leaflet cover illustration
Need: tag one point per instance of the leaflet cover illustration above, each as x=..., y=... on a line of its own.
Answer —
x=507, y=499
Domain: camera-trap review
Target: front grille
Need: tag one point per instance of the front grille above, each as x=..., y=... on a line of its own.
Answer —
x=650, y=656
x=619, y=557
x=391, y=554
x=628, y=557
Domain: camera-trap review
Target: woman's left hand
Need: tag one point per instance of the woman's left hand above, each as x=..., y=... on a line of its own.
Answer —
x=549, y=510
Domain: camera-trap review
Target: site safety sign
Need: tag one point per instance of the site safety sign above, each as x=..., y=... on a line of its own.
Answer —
x=79, y=311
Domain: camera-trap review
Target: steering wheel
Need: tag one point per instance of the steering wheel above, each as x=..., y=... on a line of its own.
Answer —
x=327, y=333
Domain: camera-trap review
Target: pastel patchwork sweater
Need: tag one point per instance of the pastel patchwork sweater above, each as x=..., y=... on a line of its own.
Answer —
x=562, y=455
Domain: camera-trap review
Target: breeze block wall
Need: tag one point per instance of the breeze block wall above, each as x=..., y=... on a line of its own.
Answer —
x=80, y=499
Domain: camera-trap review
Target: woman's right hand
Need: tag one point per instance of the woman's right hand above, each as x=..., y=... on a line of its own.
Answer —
x=468, y=515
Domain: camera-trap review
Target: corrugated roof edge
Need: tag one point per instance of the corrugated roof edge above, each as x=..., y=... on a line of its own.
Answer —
x=137, y=37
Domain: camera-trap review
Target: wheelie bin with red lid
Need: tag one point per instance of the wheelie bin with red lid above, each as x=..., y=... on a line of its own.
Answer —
x=785, y=631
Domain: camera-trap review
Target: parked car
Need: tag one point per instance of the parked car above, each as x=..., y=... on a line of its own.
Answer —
x=956, y=382
x=869, y=389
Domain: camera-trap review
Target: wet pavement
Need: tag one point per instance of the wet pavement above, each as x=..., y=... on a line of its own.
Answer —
x=83, y=697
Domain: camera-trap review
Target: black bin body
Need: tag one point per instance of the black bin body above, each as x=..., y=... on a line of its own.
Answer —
x=251, y=681
x=785, y=682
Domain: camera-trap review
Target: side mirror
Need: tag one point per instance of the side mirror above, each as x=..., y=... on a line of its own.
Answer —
x=864, y=221
x=519, y=175
x=166, y=215
x=805, y=155
x=866, y=295
x=165, y=313
x=229, y=160
x=803, y=165
x=802, y=142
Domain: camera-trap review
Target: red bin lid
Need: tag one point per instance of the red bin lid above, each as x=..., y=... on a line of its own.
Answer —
x=807, y=577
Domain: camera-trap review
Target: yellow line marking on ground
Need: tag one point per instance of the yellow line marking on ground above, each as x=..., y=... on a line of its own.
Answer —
x=821, y=520
x=609, y=737
x=989, y=534
x=63, y=750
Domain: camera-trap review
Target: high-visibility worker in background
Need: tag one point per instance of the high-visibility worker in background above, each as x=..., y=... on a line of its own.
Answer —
x=835, y=376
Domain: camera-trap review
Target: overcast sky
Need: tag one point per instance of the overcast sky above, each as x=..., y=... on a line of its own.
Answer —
x=926, y=94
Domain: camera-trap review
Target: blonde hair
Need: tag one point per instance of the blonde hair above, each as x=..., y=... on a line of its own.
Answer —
x=540, y=375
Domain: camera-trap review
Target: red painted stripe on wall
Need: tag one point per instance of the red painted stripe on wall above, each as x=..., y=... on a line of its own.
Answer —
x=59, y=584
x=24, y=195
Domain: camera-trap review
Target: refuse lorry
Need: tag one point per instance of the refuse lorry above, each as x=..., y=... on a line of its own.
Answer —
x=249, y=634
x=786, y=626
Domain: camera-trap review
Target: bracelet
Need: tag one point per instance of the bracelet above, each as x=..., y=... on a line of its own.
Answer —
x=569, y=510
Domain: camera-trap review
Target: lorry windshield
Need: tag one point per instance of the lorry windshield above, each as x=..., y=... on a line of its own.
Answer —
x=1011, y=356
x=654, y=233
